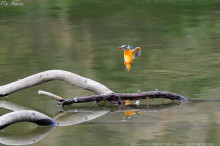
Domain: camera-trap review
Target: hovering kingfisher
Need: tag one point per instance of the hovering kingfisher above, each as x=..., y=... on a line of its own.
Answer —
x=129, y=55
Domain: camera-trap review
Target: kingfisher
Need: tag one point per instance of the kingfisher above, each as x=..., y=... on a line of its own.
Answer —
x=129, y=55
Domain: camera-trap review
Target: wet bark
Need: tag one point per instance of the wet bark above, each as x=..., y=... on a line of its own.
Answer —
x=120, y=97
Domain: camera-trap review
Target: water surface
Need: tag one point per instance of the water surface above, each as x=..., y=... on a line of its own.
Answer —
x=180, y=53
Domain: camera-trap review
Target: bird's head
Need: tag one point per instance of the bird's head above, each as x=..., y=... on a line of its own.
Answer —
x=125, y=47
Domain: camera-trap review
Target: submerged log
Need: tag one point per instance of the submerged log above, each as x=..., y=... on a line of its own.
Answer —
x=119, y=98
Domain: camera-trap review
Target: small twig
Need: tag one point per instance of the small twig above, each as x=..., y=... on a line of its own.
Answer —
x=56, y=97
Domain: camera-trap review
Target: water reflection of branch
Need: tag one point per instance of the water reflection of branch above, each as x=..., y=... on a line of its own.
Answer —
x=116, y=109
x=64, y=119
x=24, y=139
x=68, y=119
x=12, y=106
x=151, y=108
x=75, y=116
x=22, y=113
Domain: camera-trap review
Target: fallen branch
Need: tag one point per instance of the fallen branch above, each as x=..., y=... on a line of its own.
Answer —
x=50, y=75
x=118, y=98
x=26, y=116
x=105, y=94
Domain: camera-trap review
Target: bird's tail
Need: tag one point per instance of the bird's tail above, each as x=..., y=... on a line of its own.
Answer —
x=128, y=66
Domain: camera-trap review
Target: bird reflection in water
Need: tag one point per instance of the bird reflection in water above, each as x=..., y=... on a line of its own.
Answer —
x=128, y=114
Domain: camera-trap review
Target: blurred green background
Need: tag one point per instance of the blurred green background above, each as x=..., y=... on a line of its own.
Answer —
x=180, y=43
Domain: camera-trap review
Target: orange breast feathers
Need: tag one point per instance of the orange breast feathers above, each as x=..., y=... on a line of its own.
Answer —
x=129, y=55
x=128, y=58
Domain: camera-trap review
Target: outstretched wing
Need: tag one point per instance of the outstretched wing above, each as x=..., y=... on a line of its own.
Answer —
x=136, y=51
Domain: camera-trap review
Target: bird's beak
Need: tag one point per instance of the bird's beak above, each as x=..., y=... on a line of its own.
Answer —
x=120, y=48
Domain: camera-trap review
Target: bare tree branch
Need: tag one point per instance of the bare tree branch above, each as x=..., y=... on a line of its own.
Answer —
x=25, y=116
x=50, y=75
x=118, y=97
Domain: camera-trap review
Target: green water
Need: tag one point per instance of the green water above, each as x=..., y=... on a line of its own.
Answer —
x=180, y=44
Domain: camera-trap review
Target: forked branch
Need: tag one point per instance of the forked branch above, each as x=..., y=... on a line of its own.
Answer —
x=105, y=94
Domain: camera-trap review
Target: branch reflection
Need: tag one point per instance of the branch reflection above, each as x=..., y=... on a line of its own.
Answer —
x=31, y=137
x=72, y=116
